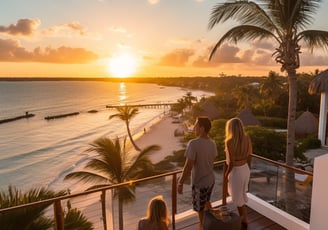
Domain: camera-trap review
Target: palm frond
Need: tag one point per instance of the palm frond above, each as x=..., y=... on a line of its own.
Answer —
x=141, y=162
x=109, y=159
x=243, y=32
x=315, y=38
x=86, y=177
x=244, y=12
x=74, y=219
x=126, y=193
x=107, y=169
x=303, y=13
x=293, y=14
x=125, y=113
x=26, y=216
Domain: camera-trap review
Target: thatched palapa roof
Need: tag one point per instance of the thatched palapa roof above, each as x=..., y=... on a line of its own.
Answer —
x=248, y=118
x=209, y=109
x=319, y=84
x=306, y=124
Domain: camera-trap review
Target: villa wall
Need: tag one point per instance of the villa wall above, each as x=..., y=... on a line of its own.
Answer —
x=319, y=202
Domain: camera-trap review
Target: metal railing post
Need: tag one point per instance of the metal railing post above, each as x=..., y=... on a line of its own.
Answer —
x=59, y=215
x=174, y=199
x=224, y=186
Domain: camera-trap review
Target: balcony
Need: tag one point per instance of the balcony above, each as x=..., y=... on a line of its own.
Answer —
x=269, y=206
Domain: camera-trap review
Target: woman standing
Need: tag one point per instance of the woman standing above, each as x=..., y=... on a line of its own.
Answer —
x=157, y=215
x=238, y=148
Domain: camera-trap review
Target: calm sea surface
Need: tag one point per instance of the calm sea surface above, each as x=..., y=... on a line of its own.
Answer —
x=36, y=152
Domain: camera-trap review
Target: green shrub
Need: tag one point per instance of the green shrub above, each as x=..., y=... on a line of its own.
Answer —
x=301, y=145
x=267, y=142
x=273, y=122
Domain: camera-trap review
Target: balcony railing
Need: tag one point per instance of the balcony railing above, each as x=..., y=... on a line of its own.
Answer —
x=268, y=182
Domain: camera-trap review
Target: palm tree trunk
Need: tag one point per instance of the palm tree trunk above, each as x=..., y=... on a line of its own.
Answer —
x=290, y=188
x=120, y=212
x=131, y=139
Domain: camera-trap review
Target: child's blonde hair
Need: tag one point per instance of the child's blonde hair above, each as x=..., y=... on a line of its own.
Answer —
x=157, y=212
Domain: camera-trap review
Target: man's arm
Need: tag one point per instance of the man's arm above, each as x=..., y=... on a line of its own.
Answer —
x=189, y=164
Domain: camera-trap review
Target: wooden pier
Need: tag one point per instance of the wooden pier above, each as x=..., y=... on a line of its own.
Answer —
x=152, y=105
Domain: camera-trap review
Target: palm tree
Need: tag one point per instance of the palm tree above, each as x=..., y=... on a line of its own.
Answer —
x=29, y=217
x=126, y=113
x=33, y=217
x=283, y=21
x=114, y=165
x=188, y=99
x=272, y=87
x=245, y=95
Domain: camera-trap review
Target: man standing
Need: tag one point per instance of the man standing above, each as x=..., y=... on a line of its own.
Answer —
x=200, y=155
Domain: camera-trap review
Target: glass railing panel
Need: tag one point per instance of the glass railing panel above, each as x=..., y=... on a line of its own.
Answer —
x=217, y=190
x=263, y=180
x=290, y=193
x=295, y=194
x=90, y=207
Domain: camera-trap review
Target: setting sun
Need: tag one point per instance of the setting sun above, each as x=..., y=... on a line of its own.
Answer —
x=123, y=65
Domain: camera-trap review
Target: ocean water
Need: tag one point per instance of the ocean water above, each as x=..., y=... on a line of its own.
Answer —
x=36, y=152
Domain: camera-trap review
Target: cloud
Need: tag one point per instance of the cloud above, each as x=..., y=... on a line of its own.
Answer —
x=225, y=54
x=25, y=27
x=260, y=44
x=12, y=51
x=72, y=26
x=178, y=57
x=309, y=59
x=29, y=27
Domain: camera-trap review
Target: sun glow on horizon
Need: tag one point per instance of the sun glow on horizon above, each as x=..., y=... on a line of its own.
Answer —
x=123, y=65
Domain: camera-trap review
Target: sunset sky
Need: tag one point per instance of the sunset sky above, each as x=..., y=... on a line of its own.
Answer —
x=154, y=38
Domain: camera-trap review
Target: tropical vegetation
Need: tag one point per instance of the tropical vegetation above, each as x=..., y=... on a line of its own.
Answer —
x=114, y=165
x=34, y=217
x=284, y=22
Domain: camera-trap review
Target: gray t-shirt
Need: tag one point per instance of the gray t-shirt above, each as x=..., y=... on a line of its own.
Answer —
x=202, y=151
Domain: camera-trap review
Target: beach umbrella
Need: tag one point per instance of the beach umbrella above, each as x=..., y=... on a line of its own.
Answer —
x=319, y=84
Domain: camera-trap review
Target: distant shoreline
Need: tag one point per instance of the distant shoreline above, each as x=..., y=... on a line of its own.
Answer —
x=59, y=79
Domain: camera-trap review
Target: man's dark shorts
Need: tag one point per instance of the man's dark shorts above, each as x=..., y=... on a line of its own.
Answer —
x=200, y=196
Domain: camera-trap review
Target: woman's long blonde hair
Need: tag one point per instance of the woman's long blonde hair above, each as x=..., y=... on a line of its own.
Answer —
x=235, y=133
x=157, y=213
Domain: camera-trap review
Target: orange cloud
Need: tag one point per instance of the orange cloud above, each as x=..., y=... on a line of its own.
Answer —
x=12, y=51
x=72, y=26
x=309, y=59
x=178, y=57
x=25, y=27
x=225, y=54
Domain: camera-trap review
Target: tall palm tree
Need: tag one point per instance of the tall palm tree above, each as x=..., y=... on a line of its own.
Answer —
x=126, y=113
x=283, y=21
x=114, y=165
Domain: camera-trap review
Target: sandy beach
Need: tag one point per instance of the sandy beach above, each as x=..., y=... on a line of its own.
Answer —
x=162, y=134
